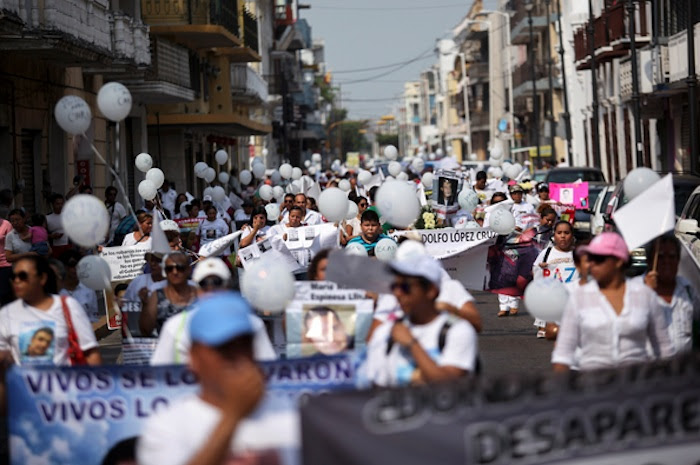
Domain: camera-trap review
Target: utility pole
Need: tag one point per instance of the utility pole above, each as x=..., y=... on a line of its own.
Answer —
x=566, y=115
x=535, y=100
x=636, y=112
x=595, y=136
x=692, y=87
x=550, y=109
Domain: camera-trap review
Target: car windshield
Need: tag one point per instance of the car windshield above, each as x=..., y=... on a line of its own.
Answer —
x=681, y=194
x=593, y=194
x=565, y=176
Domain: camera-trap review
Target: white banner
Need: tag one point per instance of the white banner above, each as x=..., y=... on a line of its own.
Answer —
x=447, y=242
x=125, y=262
x=272, y=246
x=306, y=241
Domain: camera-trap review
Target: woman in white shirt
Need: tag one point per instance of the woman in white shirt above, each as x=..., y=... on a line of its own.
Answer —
x=212, y=228
x=611, y=321
x=556, y=261
x=257, y=231
x=142, y=236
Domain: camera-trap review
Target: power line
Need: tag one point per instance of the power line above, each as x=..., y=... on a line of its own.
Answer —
x=427, y=53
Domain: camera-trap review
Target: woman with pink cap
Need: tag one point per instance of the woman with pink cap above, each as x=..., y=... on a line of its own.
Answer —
x=611, y=318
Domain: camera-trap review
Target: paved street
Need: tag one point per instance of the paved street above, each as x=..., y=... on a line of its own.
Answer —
x=508, y=345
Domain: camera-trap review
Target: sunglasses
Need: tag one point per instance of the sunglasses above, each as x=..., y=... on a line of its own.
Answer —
x=211, y=281
x=362, y=204
x=597, y=258
x=171, y=268
x=22, y=276
x=404, y=287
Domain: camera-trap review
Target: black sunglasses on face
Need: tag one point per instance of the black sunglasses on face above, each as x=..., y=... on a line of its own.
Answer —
x=404, y=287
x=211, y=281
x=171, y=268
x=22, y=276
x=597, y=258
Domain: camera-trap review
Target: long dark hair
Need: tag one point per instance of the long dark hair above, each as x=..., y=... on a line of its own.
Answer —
x=42, y=267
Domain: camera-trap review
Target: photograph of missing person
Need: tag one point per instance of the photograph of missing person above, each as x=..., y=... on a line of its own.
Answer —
x=447, y=191
x=264, y=246
x=37, y=341
x=327, y=329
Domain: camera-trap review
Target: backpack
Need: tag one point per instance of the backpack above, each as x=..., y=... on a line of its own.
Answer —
x=126, y=226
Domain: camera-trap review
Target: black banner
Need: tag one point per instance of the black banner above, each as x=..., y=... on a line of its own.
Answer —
x=647, y=414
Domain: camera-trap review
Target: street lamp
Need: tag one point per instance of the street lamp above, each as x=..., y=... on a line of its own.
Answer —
x=550, y=106
x=509, y=71
x=535, y=103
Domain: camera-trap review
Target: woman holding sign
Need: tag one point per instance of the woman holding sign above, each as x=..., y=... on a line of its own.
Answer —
x=142, y=236
x=612, y=320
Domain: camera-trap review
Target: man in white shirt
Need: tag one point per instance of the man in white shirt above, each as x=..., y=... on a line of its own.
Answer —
x=59, y=240
x=210, y=427
x=310, y=217
x=520, y=208
x=424, y=346
x=116, y=211
x=168, y=197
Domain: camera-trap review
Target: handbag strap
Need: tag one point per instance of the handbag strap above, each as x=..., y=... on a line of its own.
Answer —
x=75, y=353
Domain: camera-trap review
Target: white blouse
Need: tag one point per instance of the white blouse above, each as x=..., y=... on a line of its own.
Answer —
x=606, y=339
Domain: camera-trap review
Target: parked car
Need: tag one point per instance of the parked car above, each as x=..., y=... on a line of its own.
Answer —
x=596, y=182
x=598, y=210
x=683, y=185
x=539, y=175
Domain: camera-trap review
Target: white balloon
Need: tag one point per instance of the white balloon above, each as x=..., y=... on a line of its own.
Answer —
x=273, y=211
x=333, y=204
x=439, y=153
x=245, y=177
x=85, y=220
x=511, y=171
x=265, y=192
x=505, y=165
x=259, y=170
x=473, y=156
x=296, y=173
x=218, y=194
x=312, y=170
x=389, y=179
x=364, y=177
x=410, y=249
x=114, y=101
x=497, y=172
x=344, y=185
x=385, y=250
x=94, y=272
x=418, y=164
x=518, y=167
x=286, y=170
x=390, y=152
x=546, y=299
x=208, y=191
x=496, y=152
x=494, y=162
x=468, y=199
x=402, y=176
x=427, y=180
x=255, y=161
x=275, y=177
x=147, y=190
x=221, y=157
x=73, y=114
x=638, y=180
x=144, y=162
x=210, y=175
x=394, y=168
x=307, y=163
x=265, y=152
x=431, y=156
x=316, y=157
x=156, y=176
x=278, y=192
x=501, y=220
x=398, y=204
x=352, y=210
x=224, y=177
x=295, y=187
x=355, y=248
x=268, y=285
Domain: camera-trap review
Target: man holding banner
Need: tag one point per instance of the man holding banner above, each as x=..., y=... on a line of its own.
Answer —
x=424, y=346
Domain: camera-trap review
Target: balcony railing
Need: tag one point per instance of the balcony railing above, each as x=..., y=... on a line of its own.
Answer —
x=248, y=84
x=518, y=6
x=171, y=63
x=477, y=71
x=193, y=12
x=678, y=54
x=523, y=73
x=250, y=30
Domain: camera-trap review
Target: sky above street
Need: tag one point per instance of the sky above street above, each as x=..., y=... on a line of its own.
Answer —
x=361, y=34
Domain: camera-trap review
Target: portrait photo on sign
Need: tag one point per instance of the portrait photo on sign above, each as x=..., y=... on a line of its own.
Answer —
x=448, y=189
x=37, y=341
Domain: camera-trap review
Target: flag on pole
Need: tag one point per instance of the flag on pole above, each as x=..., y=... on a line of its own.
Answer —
x=649, y=215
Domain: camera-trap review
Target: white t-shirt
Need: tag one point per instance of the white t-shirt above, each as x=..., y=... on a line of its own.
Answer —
x=175, y=434
x=53, y=221
x=605, y=338
x=560, y=265
x=15, y=244
x=117, y=213
x=451, y=292
x=132, y=291
x=130, y=240
x=399, y=368
x=87, y=298
x=174, y=341
x=261, y=232
x=20, y=324
x=210, y=231
x=168, y=200
x=311, y=218
x=521, y=209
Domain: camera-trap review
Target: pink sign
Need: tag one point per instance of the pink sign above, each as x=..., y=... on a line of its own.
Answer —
x=575, y=194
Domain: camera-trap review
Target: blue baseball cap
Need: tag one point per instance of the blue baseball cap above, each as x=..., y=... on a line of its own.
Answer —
x=221, y=318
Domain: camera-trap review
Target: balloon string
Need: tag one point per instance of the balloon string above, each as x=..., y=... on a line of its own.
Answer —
x=119, y=183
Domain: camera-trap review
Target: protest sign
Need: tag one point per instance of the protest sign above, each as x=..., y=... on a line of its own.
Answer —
x=219, y=246
x=273, y=246
x=77, y=415
x=188, y=230
x=138, y=350
x=125, y=264
x=447, y=242
x=635, y=415
x=575, y=194
x=328, y=322
x=306, y=241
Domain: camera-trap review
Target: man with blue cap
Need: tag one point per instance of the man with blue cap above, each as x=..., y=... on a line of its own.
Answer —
x=210, y=427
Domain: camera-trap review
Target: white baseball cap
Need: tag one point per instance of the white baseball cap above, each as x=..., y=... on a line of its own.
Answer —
x=211, y=267
x=169, y=225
